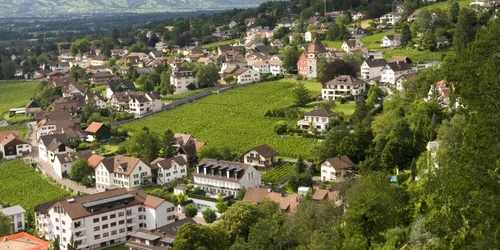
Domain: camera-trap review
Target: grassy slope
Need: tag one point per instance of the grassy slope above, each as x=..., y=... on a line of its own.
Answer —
x=23, y=129
x=15, y=94
x=22, y=185
x=235, y=119
x=373, y=41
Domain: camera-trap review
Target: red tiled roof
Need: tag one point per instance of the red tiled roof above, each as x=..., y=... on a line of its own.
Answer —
x=94, y=127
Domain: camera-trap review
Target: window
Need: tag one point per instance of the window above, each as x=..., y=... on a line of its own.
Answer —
x=129, y=221
x=120, y=214
x=64, y=239
x=170, y=209
x=57, y=220
x=105, y=235
x=64, y=230
x=113, y=224
x=104, y=226
x=122, y=230
x=113, y=232
x=64, y=223
x=96, y=228
x=112, y=216
x=96, y=220
x=97, y=236
x=57, y=228
x=129, y=212
x=121, y=222
x=140, y=168
x=104, y=218
x=136, y=176
x=130, y=229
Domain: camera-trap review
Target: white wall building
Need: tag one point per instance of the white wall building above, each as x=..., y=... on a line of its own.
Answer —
x=51, y=145
x=12, y=147
x=391, y=18
x=101, y=219
x=316, y=119
x=246, y=75
x=391, y=41
x=371, y=68
x=169, y=169
x=181, y=78
x=393, y=70
x=122, y=171
x=336, y=169
x=262, y=67
x=16, y=214
x=63, y=162
x=345, y=86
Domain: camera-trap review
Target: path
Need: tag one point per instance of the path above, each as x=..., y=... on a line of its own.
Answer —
x=47, y=168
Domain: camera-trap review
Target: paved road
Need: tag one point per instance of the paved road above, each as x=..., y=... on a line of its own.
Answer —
x=47, y=168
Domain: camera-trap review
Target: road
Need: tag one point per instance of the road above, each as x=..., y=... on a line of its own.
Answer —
x=47, y=168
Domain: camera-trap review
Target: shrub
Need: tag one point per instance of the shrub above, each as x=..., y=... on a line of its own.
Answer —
x=280, y=127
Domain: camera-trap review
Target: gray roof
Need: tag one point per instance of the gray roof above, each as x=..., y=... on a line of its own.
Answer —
x=374, y=63
x=13, y=210
x=320, y=113
x=345, y=79
x=399, y=66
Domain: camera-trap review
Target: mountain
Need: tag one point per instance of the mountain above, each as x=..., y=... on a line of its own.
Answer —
x=9, y=8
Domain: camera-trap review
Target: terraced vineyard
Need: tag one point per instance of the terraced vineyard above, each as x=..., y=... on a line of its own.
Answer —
x=15, y=94
x=22, y=185
x=234, y=119
x=279, y=174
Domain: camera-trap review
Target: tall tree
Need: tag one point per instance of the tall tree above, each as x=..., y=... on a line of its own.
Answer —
x=190, y=210
x=169, y=143
x=80, y=170
x=405, y=34
x=144, y=144
x=453, y=11
x=291, y=58
x=209, y=215
x=464, y=30
x=301, y=95
x=207, y=75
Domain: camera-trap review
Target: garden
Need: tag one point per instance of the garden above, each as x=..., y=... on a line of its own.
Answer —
x=22, y=185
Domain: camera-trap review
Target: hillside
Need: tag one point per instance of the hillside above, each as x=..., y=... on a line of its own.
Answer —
x=46, y=7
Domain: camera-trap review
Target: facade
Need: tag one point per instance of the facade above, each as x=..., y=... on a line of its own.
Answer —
x=261, y=156
x=344, y=85
x=16, y=214
x=309, y=61
x=62, y=162
x=119, y=86
x=391, y=41
x=13, y=147
x=137, y=103
x=246, y=75
x=169, y=169
x=276, y=67
x=103, y=219
x=224, y=177
x=393, y=70
x=336, y=169
x=181, y=78
x=412, y=77
x=316, y=119
x=96, y=98
x=122, y=171
x=262, y=67
x=352, y=45
x=371, y=68
x=57, y=121
x=391, y=18
x=50, y=145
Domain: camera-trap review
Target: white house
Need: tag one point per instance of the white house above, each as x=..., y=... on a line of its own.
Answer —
x=246, y=75
x=393, y=70
x=225, y=177
x=276, y=67
x=63, y=162
x=352, y=45
x=16, y=214
x=311, y=34
x=104, y=219
x=122, y=171
x=345, y=86
x=371, y=68
x=336, y=169
x=137, y=103
x=391, y=18
x=51, y=145
x=182, y=77
x=119, y=86
x=405, y=78
x=316, y=119
x=391, y=41
x=11, y=146
x=96, y=98
x=262, y=67
x=169, y=169
x=261, y=156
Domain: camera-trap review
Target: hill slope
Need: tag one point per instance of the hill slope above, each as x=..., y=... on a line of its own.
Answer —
x=51, y=7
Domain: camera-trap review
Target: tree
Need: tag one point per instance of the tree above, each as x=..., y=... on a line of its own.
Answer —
x=405, y=34
x=196, y=236
x=280, y=127
x=80, y=46
x=220, y=205
x=301, y=95
x=241, y=193
x=300, y=166
x=165, y=82
x=300, y=180
x=56, y=244
x=410, y=6
x=329, y=70
x=213, y=152
x=399, y=149
x=209, y=215
x=144, y=144
x=190, y=210
x=375, y=10
x=9, y=69
x=428, y=40
x=239, y=219
x=169, y=143
x=207, y=76
x=72, y=245
x=423, y=22
x=291, y=58
x=80, y=170
x=453, y=11
x=464, y=31
x=229, y=78
x=4, y=224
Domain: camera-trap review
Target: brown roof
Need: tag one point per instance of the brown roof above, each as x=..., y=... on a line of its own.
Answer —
x=316, y=47
x=340, y=162
x=183, y=138
x=73, y=156
x=23, y=241
x=168, y=162
x=376, y=62
x=265, y=151
x=256, y=194
x=127, y=163
x=153, y=202
x=323, y=194
x=410, y=77
x=399, y=66
x=240, y=71
x=4, y=134
x=287, y=202
x=238, y=168
x=400, y=58
x=94, y=160
x=321, y=113
x=94, y=127
x=12, y=138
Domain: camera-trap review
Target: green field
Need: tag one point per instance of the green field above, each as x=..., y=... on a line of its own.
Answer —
x=214, y=45
x=117, y=247
x=234, y=119
x=23, y=129
x=416, y=55
x=22, y=185
x=15, y=94
x=445, y=5
x=373, y=42
x=176, y=97
x=333, y=44
x=279, y=174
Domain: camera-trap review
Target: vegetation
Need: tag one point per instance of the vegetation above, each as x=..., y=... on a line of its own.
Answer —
x=243, y=126
x=22, y=185
x=279, y=174
x=23, y=129
x=4, y=224
x=177, y=97
x=18, y=93
x=190, y=210
x=81, y=171
x=209, y=215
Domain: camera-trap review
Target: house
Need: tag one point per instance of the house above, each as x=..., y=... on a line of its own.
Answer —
x=232, y=24
x=137, y=103
x=102, y=219
x=181, y=78
x=351, y=44
x=53, y=121
x=97, y=131
x=156, y=54
x=98, y=60
x=336, y=169
x=441, y=90
x=100, y=78
x=276, y=67
x=161, y=238
x=311, y=34
x=205, y=60
x=96, y=98
x=250, y=22
x=261, y=156
x=122, y=171
x=73, y=104
x=23, y=241
x=391, y=18
x=262, y=67
x=16, y=214
x=332, y=16
x=413, y=16
x=287, y=202
x=277, y=43
x=169, y=169
x=371, y=68
x=51, y=145
x=358, y=32
x=344, y=85
x=119, y=86
x=119, y=53
x=316, y=119
x=73, y=90
x=393, y=70
x=188, y=145
x=62, y=162
x=308, y=63
x=413, y=77
x=442, y=42
x=225, y=177
x=246, y=75
x=391, y=41
x=33, y=107
x=325, y=195
x=11, y=146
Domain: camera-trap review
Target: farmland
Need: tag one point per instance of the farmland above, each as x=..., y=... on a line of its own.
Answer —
x=234, y=119
x=22, y=185
x=15, y=94
x=278, y=174
x=180, y=96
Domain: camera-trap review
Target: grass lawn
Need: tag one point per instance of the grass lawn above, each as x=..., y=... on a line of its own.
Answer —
x=100, y=88
x=110, y=149
x=235, y=119
x=118, y=247
x=214, y=45
x=313, y=86
x=445, y=5
x=23, y=129
x=416, y=55
x=15, y=94
x=346, y=108
x=333, y=44
x=364, y=23
x=372, y=42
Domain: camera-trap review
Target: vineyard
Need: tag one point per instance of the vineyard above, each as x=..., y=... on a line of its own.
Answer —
x=279, y=174
x=234, y=119
x=176, y=97
x=15, y=94
x=22, y=185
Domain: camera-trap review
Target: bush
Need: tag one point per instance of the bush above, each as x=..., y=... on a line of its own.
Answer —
x=298, y=180
x=209, y=215
x=190, y=210
x=280, y=127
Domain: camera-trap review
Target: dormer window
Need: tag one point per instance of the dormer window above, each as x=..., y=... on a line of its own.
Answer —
x=120, y=169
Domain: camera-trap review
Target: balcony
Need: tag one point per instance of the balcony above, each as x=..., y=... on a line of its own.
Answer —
x=80, y=236
x=131, y=216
